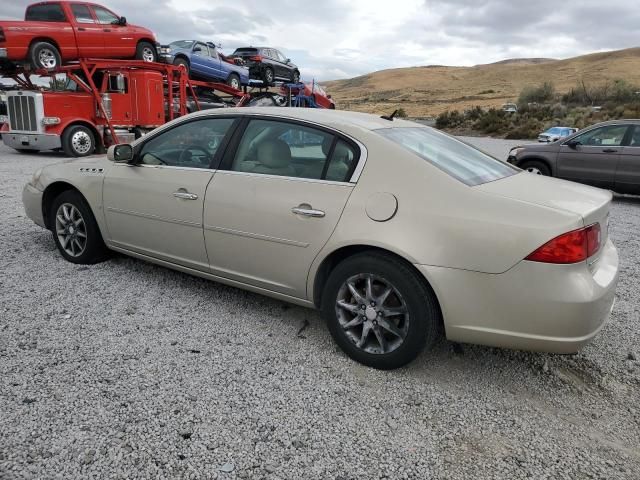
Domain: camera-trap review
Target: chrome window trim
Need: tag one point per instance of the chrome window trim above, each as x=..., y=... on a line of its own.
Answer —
x=299, y=179
x=171, y=167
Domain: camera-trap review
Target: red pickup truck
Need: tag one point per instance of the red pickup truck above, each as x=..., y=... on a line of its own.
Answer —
x=57, y=31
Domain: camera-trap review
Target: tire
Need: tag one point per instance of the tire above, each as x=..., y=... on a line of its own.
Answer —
x=267, y=75
x=78, y=141
x=146, y=52
x=537, y=167
x=295, y=78
x=44, y=55
x=415, y=330
x=234, y=81
x=71, y=217
x=182, y=61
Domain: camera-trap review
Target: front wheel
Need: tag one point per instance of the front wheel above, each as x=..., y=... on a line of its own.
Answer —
x=379, y=310
x=181, y=61
x=535, y=167
x=146, y=52
x=75, y=231
x=78, y=141
x=234, y=81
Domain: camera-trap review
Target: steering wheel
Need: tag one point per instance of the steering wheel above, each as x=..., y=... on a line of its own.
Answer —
x=193, y=148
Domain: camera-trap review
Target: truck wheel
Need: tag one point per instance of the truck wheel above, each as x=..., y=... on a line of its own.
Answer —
x=78, y=141
x=146, y=52
x=44, y=55
x=181, y=61
x=267, y=75
x=234, y=81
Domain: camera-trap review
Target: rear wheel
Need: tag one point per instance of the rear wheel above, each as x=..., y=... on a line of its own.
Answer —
x=75, y=231
x=181, y=61
x=44, y=55
x=379, y=310
x=536, y=167
x=234, y=81
x=146, y=52
x=267, y=75
x=78, y=141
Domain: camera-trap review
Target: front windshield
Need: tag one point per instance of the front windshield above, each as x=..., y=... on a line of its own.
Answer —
x=556, y=130
x=461, y=161
x=182, y=44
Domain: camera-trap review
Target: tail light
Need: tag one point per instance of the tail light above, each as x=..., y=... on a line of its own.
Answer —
x=256, y=58
x=2, y=37
x=572, y=247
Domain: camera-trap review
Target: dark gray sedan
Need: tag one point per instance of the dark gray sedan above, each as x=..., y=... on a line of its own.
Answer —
x=605, y=155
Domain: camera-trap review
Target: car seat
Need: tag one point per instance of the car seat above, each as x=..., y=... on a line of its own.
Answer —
x=274, y=158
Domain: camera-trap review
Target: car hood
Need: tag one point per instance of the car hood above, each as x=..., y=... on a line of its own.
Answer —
x=545, y=147
x=592, y=204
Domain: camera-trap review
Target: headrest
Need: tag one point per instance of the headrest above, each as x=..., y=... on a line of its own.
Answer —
x=274, y=154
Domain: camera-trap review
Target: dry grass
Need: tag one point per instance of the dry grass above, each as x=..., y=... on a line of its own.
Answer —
x=428, y=91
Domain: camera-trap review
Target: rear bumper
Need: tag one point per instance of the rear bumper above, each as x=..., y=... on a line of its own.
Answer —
x=32, y=201
x=31, y=141
x=533, y=306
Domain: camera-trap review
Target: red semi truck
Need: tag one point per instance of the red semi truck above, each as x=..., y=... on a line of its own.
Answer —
x=56, y=32
x=104, y=102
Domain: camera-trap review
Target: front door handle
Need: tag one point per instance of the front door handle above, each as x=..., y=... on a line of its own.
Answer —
x=185, y=195
x=307, y=210
x=609, y=150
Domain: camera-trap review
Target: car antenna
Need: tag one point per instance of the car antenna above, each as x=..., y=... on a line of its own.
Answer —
x=390, y=117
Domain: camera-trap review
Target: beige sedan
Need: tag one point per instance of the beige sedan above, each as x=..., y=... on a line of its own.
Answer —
x=397, y=232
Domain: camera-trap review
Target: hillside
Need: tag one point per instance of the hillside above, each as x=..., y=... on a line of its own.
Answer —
x=430, y=90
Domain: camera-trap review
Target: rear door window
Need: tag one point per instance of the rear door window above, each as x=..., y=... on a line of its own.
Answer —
x=81, y=13
x=50, y=12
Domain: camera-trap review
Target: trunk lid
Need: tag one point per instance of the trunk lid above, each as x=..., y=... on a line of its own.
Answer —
x=591, y=203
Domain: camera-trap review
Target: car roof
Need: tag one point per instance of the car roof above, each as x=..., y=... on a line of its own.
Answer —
x=321, y=116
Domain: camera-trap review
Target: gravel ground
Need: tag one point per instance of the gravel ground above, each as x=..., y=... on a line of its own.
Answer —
x=128, y=370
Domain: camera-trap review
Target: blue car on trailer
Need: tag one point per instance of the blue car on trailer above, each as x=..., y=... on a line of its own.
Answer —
x=203, y=61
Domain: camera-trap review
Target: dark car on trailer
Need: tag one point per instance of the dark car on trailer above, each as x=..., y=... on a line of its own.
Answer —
x=605, y=155
x=268, y=64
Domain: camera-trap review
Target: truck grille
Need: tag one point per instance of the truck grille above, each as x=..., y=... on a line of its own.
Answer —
x=22, y=113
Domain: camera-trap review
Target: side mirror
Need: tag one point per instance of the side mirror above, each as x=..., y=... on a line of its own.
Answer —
x=329, y=97
x=122, y=21
x=288, y=60
x=122, y=153
x=573, y=144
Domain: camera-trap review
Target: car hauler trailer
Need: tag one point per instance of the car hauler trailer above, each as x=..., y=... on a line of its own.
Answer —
x=102, y=102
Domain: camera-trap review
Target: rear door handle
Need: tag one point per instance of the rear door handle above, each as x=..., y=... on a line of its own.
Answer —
x=609, y=150
x=307, y=211
x=185, y=195
x=107, y=30
x=80, y=29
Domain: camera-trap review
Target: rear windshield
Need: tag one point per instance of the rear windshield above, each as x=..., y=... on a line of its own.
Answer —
x=50, y=12
x=245, y=50
x=461, y=161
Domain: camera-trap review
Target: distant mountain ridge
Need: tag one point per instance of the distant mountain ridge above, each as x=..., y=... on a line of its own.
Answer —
x=429, y=90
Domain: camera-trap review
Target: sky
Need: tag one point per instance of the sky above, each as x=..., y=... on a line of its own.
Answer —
x=332, y=39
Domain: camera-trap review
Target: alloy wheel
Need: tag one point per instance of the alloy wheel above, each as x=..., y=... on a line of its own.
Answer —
x=81, y=142
x=71, y=230
x=47, y=58
x=147, y=54
x=372, y=313
x=534, y=170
